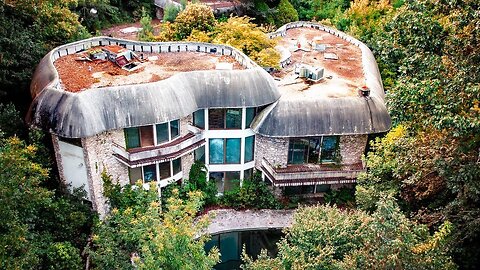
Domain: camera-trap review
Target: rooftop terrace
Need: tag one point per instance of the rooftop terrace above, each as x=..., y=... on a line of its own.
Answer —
x=341, y=61
x=77, y=75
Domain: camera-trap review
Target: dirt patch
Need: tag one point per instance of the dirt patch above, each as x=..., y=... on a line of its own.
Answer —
x=77, y=75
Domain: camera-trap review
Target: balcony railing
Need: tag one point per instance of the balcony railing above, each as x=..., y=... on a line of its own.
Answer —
x=149, y=155
x=312, y=174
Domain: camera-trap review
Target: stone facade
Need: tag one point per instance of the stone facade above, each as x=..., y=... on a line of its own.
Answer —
x=98, y=155
x=352, y=147
x=58, y=158
x=275, y=150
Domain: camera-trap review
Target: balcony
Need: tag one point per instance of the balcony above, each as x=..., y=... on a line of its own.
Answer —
x=312, y=174
x=149, y=155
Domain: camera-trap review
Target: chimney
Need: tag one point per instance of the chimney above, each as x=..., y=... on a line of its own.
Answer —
x=364, y=91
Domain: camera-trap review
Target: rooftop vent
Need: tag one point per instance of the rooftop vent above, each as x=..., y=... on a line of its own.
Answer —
x=364, y=91
x=310, y=73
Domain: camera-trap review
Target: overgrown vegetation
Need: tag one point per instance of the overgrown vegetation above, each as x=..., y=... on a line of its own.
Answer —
x=197, y=23
x=325, y=237
x=141, y=233
x=252, y=194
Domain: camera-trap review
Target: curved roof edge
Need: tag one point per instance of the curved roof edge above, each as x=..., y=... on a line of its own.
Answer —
x=84, y=114
x=330, y=116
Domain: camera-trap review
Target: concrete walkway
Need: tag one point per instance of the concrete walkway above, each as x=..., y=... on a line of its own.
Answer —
x=228, y=220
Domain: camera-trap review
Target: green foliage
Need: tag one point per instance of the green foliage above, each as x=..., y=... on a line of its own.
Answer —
x=170, y=13
x=425, y=52
x=128, y=196
x=197, y=180
x=325, y=237
x=343, y=196
x=319, y=9
x=63, y=256
x=146, y=34
x=194, y=16
x=252, y=194
x=151, y=238
x=244, y=35
x=11, y=124
x=32, y=218
x=285, y=13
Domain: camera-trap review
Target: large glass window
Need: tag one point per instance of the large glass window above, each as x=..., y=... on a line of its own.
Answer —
x=164, y=170
x=149, y=173
x=329, y=148
x=217, y=177
x=249, y=144
x=199, y=154
x=216, y=151
x=234, y=118
x=132, y=137
x=199, y=118
x=146, y=136
x=231, y=181
x=177, y=166
x=135, y=174
x=312, y=150
x=174, y=128
x=249, y=115
x=216, y=118
x=162, y=133
x=233, y=151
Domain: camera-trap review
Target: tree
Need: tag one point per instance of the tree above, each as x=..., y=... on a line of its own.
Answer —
x=170, y=13
x=146, y=34
x=285, y=13
x=139, y=235
x=37, y=224
x=194, y=16
x=326, y=237
x=244, y=35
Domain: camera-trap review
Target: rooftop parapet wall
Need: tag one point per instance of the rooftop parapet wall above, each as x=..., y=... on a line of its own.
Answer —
x=83, y=114
x=349, y=115
x=373, y=79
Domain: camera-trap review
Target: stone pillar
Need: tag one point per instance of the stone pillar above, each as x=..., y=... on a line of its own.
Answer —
x=352, y=148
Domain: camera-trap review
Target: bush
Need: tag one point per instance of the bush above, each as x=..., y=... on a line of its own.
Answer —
x=253, y=193
x=343, y=196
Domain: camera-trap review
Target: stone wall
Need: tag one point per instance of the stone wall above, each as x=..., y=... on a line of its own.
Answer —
x=58, y=158
x=275, y=150
x=98, y=155
x=352, y=147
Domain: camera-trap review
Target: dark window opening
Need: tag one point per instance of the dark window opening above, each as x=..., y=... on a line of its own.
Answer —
x=199, y=119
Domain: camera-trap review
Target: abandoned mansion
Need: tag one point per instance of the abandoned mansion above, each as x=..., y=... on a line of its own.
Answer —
x=148, y=111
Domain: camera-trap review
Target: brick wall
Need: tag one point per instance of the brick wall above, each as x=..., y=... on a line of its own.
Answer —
x=352, y=147
x=275, y=150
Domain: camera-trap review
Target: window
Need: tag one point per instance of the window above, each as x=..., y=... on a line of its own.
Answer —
x=249, y=115
x=135, y=174
x=164, y=170
x=162, y=133
x=234, y=118
x=177, y=166
x=216, y=118
x=225, y=118
x=312, y=150
x=224, y=151
x=143, y=136
x=233, y=151
x=216, y=151
x=329, y=147
x=149, y=173
x=132, y=137
x=249, y=147
x=199, y=118
x=225, y=181
x=217, y=177
x=248, y=174
x=199, y=154
x=232, y=181
x=174, y=129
